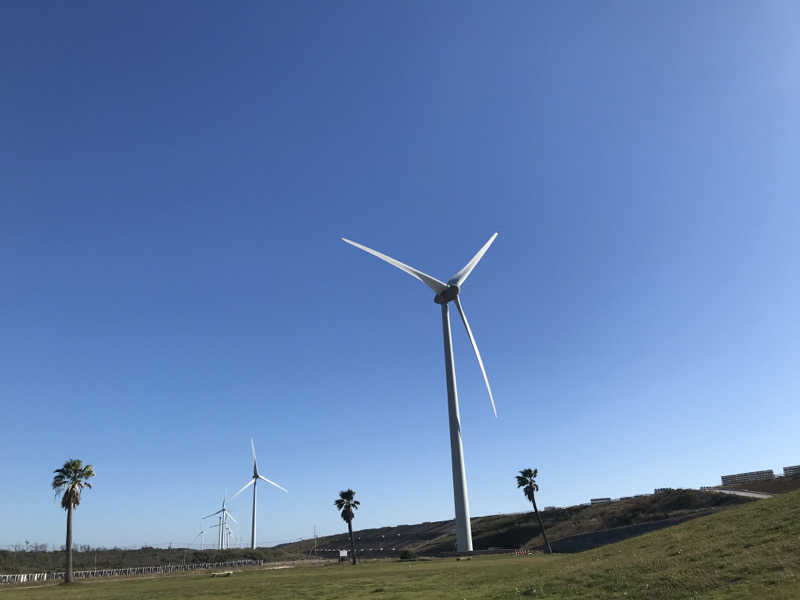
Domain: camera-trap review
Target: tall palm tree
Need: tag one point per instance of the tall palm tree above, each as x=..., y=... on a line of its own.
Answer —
x=346, y=503
x=527, y=480
x=71, y=478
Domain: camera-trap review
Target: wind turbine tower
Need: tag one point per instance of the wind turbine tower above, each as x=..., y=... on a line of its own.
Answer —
x=446, y=293
x=253, y=481
x=224, y=515
x=219, y=528
x=200, y=535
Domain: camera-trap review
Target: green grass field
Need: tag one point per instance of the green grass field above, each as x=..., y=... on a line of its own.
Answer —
x=752, y=551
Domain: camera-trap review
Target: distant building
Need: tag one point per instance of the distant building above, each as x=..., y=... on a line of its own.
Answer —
x=599, y=500
x=745, y=477
x=660, y=490
x=791, y=471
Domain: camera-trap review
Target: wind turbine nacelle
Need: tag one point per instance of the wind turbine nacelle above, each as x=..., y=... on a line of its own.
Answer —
x=446, y=296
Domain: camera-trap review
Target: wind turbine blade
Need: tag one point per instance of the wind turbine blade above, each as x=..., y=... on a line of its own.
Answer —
x=477, y=353
x=273, y=483
x=230, y=516
x=246, y=485
x=433, y=283
x=253, y=447
x=214, y=513
x=462, y=275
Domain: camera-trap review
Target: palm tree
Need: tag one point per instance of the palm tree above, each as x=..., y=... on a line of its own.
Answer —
x=527, y=480
x=346, y=504
x=71, y=478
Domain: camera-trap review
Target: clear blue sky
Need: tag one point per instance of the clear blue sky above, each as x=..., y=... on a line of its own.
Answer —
x=174, y=181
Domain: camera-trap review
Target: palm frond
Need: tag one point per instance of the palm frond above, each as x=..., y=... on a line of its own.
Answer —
x=527, y=480
x=347, y=503
x=72, y=478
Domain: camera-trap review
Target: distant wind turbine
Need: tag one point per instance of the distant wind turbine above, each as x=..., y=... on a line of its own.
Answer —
x=445, y=293
x=253, y=481
x=200, y=535
x=220, y=543
x=224, y=515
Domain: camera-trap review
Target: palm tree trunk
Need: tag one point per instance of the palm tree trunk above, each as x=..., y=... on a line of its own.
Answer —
x=68, y=574
x=352, y=540
x=541, y=526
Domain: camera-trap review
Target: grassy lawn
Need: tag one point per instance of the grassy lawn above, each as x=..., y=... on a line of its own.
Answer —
x=748, y=552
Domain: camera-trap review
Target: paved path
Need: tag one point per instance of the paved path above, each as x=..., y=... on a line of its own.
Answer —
x=761, y=495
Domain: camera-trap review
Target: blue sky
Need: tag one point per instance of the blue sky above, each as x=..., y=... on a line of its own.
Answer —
x=174, y=183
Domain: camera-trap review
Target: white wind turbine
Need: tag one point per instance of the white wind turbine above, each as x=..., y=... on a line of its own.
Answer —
x=200, y=535
x=224, y=515
x=445, y=293
x=226, y=532
x=253, y=481
x=220, y=543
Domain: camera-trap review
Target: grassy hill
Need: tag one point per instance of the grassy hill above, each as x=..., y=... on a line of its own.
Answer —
x=569, y=529
x=750, y=551
x=521, y=529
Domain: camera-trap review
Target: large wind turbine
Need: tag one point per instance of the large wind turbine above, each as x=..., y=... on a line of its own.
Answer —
x=445, y=293
x=253, y=481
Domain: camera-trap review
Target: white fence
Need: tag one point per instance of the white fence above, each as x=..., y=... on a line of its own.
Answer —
x=129, y=572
